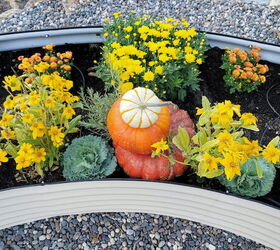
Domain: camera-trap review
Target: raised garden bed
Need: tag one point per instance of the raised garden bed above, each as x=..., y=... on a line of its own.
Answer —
x=181, y=198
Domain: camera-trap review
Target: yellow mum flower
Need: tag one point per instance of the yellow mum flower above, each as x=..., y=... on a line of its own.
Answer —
x=56, y=135
x=159, y=70
x=272, y=154
x=6, y=120
x=34, y=99
x=199, y=61
x=13, y=82
x=38, y=129
x=26, y=149
x=160, y=146
x=9, y=104
x=149, y=76
x=124, y=87
x=68, y=112
x=231, y=165
x=39, y=155
x=225, y=140
x=210, y=162
x=251, y=147
x=42, y=67
x=248, y=119
x=22, y=162
x=3, y=157
x=8, y=134
x=106, y=34
x=190, y=58
x=128, y=28
x=50, y=102
x=28, y=118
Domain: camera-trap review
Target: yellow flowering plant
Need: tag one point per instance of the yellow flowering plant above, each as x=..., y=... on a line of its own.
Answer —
x=219, y=147
x=162, y=55
x=37, y=116
x=244, y=73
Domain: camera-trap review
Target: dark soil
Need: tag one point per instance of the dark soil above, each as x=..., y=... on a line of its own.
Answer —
x=212, y=86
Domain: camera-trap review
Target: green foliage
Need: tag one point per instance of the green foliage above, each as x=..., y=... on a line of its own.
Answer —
x=252, y=183
x=89, y=157
x=243, y=72
x=96, y=106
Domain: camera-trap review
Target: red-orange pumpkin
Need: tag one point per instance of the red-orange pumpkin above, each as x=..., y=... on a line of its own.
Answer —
x=137, y=139
x=146, y=167
x=157, y=168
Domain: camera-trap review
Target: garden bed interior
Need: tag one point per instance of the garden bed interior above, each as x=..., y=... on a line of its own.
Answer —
x=211, y=85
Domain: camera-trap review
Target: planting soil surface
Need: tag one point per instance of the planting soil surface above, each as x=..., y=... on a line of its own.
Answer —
x=212, y=85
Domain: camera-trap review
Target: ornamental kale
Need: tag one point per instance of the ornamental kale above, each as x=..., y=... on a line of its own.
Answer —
x=252, y=183
x=89, y=157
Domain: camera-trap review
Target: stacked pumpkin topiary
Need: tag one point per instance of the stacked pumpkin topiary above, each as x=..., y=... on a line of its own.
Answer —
x=136, y=121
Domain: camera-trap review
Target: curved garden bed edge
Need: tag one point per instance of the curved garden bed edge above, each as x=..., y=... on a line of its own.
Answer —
x=247, y=218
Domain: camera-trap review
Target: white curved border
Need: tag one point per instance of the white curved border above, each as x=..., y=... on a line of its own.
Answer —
x=94, y=35
x=247, y=218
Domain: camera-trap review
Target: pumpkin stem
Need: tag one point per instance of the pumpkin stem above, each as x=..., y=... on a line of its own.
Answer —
x=146, y=105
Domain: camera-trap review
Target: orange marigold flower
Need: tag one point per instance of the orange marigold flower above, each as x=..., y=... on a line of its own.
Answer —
x=248, y=64
x=236, y=73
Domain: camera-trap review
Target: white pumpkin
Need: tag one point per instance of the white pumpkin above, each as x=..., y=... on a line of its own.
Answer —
x=140, y=107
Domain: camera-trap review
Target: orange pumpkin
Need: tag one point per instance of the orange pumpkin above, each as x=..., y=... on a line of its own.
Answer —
x=157, y=168
x=137, y=120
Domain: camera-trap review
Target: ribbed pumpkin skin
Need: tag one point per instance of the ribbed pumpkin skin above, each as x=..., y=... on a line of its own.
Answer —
x=137, y=140
x=146, y=167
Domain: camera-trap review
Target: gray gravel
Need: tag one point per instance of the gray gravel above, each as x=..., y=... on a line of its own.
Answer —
x=233, y=17
x=120, y=231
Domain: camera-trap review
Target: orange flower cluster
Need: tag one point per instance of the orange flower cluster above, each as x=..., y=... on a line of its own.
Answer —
x=248, y=70
x=51, y=62
x=244, y=72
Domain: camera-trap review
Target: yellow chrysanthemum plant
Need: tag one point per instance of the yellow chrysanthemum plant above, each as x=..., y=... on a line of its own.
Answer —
x=220, y=147
x=37, y=116
x=162, y=55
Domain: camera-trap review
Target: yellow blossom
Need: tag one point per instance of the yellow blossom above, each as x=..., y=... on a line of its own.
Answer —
x=39, y=155
x=190, y=58
x=28, y=118
x=160, y=146
x=149, y=76
x=6, y=120
x=248, y=119
x=68, y=112
x=13, y=82
x=9, y=104
x=225, y=140
x=210, y=162
x=22, y=161
x=8, y=134
x=231, y=165
x=159, y=70
x=26, y=149
x=124, y=87
x=38, y=129
x=42, y=67
x=272, y=154
x=3, y=157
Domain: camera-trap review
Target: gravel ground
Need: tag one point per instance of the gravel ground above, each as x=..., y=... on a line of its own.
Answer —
x=242, y=18
x=120, y=231
x=129, y=230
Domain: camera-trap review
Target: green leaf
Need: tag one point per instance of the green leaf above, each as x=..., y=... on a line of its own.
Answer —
x=182, y=140
x=11, y=149
x=258, y=168
x=251, y=127
x=195, y=139
x=274, y=142
x=74, y=122
x=214, y=173
x=208, y=145
x=205, y=103
x=39, y=170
